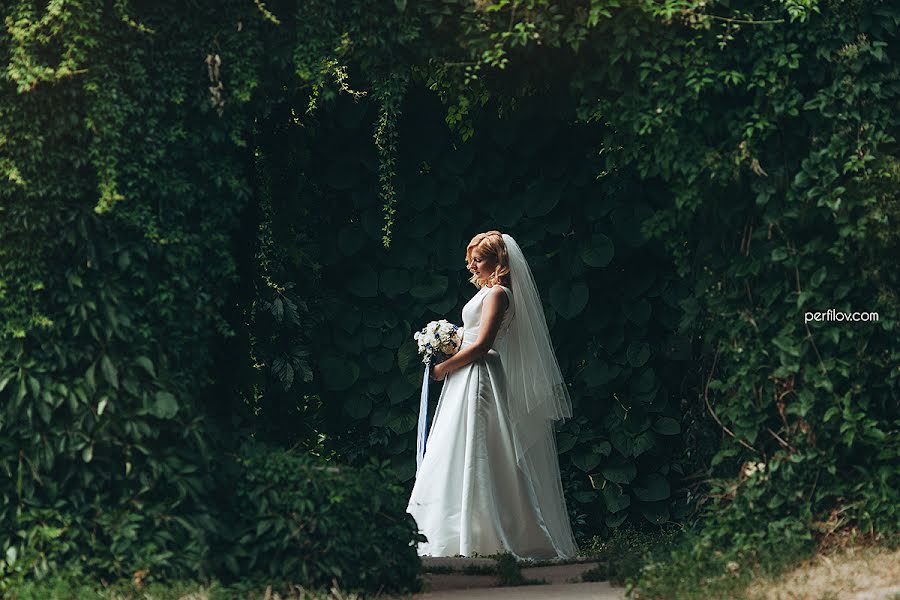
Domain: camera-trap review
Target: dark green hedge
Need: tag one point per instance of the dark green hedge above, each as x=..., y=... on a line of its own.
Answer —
x=303, y=520
x=107, y=445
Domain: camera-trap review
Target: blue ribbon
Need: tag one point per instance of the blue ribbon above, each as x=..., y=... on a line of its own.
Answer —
x=423, y=416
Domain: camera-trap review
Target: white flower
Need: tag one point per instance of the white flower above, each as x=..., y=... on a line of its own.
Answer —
x=753, y=468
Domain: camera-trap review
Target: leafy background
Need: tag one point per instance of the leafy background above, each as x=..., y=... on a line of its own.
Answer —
x=223, y=224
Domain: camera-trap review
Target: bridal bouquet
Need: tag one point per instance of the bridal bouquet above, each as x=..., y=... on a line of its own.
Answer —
x=438, y=341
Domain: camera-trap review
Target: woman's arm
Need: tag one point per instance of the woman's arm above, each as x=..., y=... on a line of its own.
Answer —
x=493, y=307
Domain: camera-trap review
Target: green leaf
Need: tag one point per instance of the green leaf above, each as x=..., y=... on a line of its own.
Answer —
x=165, y=406
x=638, y=312
x=90, y=376
x=818, y=277
x=408, y=357
x=394, y=282
x=338, y=374
x=643, y=442
x=722, y=455
x=45, y=410
x=400, y=389
x=786, y=345
x=667, y=426
x=619, y=472
x=565, y=442
x=364, y=283
x=381, y=359
x=586, y=460
x=638, y=353
x=358, y=406
x=347, y=319
x=599, y=252
x=622, y=442
x=615, y=498
x=109, y=371
x=443, y=305
x=643, y=383
x=278, y=310
x=430, y=288
x=616, y=519
x=597, y=372
x=655, y=512
x=262, y=527
x=402, y=422
x=585, y=496
x=35, y=386
x=350, y=240
x=147, y=364
x=371, y=337
x=393, y=338
x=654, y=487
x=542, y=197
x=569, y=298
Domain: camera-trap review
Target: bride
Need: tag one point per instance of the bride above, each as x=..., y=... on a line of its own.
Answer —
x=489, y=481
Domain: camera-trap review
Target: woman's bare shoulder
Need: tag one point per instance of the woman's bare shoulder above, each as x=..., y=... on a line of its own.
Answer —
x=499, y=294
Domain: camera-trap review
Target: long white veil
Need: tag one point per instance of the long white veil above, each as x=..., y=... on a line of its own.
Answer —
x=538, y=396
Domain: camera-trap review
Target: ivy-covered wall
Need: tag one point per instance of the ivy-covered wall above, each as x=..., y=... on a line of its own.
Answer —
x=120, y=191
x=226, y=221
x=611, y=296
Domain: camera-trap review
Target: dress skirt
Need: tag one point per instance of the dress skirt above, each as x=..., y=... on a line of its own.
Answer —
x=470, y=496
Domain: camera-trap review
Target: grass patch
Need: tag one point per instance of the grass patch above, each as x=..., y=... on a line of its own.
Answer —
x=687, y=565
x=622, y=556
x=505, y=566
x=511, y=574
x=840, y=571
x=479, y=570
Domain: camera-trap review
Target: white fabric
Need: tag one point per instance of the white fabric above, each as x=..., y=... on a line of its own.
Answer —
x=471, y=494
x=535, y=380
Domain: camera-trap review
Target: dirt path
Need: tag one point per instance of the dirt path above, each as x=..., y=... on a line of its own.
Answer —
x=563, y=581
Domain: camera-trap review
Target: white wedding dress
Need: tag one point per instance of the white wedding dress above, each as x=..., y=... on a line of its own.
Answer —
x=470, y=494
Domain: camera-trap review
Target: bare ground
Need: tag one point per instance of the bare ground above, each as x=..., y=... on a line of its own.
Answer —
x=853, y=573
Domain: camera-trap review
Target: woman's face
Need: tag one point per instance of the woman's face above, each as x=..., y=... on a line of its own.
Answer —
x=482, y=266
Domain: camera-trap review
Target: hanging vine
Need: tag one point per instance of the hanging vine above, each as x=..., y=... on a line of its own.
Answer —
x=389, y=94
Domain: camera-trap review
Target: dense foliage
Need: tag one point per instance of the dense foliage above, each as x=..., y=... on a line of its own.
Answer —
x=614, y=301
x=228, y=219
x=293, y=524
x=779, y=142
x=114, y=270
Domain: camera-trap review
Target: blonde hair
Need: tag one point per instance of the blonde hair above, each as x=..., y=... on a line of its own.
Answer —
x=491, y=244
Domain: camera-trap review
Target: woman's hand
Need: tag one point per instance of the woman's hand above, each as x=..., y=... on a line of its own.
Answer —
x=437, y=372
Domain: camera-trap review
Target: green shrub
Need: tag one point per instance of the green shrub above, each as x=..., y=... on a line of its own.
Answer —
x=693, y=566
x=72, y=585
x=299, y=519
x=621, y=556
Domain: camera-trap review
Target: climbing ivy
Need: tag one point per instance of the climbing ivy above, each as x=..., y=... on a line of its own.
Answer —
x=228, y=220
